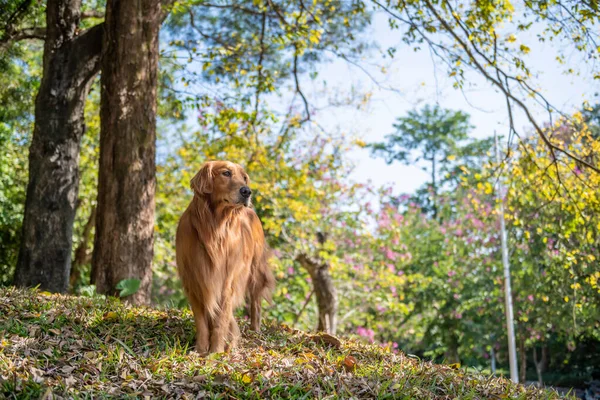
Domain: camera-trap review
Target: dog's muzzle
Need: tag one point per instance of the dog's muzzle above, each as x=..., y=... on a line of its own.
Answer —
x=245, y=193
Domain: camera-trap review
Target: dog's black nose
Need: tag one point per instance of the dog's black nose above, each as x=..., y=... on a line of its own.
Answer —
x=245, y=192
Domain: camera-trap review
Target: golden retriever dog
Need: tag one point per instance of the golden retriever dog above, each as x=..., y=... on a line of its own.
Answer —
x=222, y=255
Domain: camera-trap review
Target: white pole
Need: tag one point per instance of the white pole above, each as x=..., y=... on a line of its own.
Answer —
x=512, y=348
x=493, y=361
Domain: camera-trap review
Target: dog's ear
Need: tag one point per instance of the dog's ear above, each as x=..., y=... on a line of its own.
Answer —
x=202, y=183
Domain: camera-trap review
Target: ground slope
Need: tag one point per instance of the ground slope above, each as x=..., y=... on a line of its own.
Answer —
x=54, y=346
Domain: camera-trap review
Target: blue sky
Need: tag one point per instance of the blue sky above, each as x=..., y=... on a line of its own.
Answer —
x=420, y=81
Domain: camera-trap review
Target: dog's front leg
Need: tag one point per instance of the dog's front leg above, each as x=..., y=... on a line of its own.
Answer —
x=202, y=328
x=234, y=334
x=221, y=324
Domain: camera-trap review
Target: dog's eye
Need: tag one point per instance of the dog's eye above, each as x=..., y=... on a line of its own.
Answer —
x=227, y=174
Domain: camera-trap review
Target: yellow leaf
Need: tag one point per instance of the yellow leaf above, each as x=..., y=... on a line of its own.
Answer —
x=111, y=315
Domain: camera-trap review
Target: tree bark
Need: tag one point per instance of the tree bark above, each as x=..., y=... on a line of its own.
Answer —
x=71, y=60
x=540, y=365
x=325, y=291
x=126, y=185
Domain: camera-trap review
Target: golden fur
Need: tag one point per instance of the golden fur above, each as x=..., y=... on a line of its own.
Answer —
x=221, y=255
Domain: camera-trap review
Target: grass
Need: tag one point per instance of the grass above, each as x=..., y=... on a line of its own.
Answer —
x=56, y=346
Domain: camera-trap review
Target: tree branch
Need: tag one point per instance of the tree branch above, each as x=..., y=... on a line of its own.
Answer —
x=92, y=14
x=23, y=34
x=504, y=90
x=298, y=90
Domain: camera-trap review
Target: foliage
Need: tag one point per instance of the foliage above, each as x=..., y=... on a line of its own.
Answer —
x=91, y=347
x=490, y=38
x=436, y=136
x=127, y=287
x=431, y=134
x=554, y=205
x=19, y=80
x=449, y=304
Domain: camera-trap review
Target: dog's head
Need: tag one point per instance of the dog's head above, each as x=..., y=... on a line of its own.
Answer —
x=224, y=182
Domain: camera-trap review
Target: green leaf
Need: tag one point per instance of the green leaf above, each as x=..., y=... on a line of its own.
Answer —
x=128, y=287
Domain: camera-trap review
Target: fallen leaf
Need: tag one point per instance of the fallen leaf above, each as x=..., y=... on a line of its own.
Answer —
x=70, y=381
x=268, y=374
x=349, y=363
x=37, y=375
x=67, y=369
x=327, y=339
x=110, y=316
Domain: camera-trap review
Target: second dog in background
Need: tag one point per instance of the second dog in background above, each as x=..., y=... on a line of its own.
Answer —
x=222, y=255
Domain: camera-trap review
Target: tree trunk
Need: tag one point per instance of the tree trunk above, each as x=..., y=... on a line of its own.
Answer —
x=71, y=60
x=325, y=291
x=523, y=358
x=451, y=355
x=82, y=256
x=126, y=185
x=540, y=365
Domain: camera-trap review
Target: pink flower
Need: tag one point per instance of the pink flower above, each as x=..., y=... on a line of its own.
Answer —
x=365, y=332
x=530, y=298
x=478, y=224
x=290, y=271
x=399, y=218
x=384, y=223
x=390, y=254
x=451, y=273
